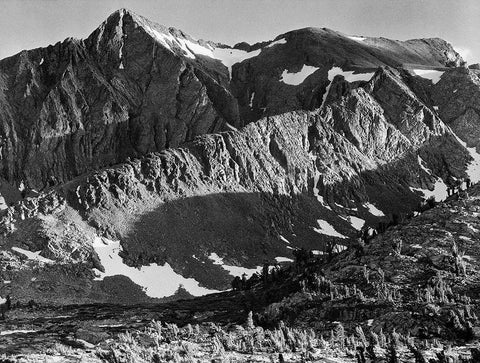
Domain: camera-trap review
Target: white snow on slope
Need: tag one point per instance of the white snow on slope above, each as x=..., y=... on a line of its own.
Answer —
x=157, y=281
x=279, y=41
x=284, y=239
x=327, y=229
x=33, y=255
x=473, y=169
x=251, y=100
x=233, y=270
x=421, y=162
x=430, y=74
x=3, y=204
x=294, y=79
x=316, y=191
x=229, y=56
x=189, y=48
x=374, y=210
x=339, y=248
x=439, y=191
x=356, y=222
x=358, y=39
x=283, y=259
x=348, y=75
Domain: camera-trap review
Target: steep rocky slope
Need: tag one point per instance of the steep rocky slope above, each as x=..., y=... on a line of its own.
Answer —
x=134, y=87
x=413, y=289
x=300, y=173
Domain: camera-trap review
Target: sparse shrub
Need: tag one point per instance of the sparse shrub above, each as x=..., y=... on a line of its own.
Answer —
x=249, y=323
x=397, y=246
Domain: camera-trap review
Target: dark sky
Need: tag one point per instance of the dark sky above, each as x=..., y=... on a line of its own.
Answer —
x=36, y=23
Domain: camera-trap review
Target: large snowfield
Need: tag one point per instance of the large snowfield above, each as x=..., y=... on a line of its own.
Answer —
x=157, y=281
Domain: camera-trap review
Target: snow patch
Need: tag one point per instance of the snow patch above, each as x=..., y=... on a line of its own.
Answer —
x=357, y=39
x=440, y=188
x=3, y=204
x=284, y=239
x=41, y=62
x=374, y=210
x=339, y=248
x=189, y=48
x=349, y=77
x=229, y=56
x=327, y=229
x=294, y=79
x=283, y=259
x=33, y=255
x=251, y=100
x=439, y=191
x=430, y=74
x=157, y=281
x=279, y=41
x=233, y=270
x=473, y=169
x=422, y=166
x=356, y=222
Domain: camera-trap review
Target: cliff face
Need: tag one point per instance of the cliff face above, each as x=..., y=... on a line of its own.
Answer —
x=134, y=87
x=124, y=91
x=318, y=157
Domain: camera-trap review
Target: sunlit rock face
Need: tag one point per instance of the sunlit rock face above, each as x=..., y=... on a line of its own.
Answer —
x=205, y=161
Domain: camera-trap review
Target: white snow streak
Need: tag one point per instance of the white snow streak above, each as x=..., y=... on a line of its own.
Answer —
x=473, y=169
x=283, y=259
x=358, y=39
x=284, y=239
x=233, y=270
x=157, y=281
x=374, y=210
x=279, y=41
x=327, y=229
x=33, y=255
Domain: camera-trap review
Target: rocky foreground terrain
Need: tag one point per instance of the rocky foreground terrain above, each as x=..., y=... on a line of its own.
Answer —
x=411, y=292
x=141, y=170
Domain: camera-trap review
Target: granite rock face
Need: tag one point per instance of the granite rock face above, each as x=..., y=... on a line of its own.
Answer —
x=134, y=87
x=83, y=104
x=127, y=124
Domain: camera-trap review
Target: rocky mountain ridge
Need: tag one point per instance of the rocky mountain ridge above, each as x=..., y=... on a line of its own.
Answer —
x=316, y=155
